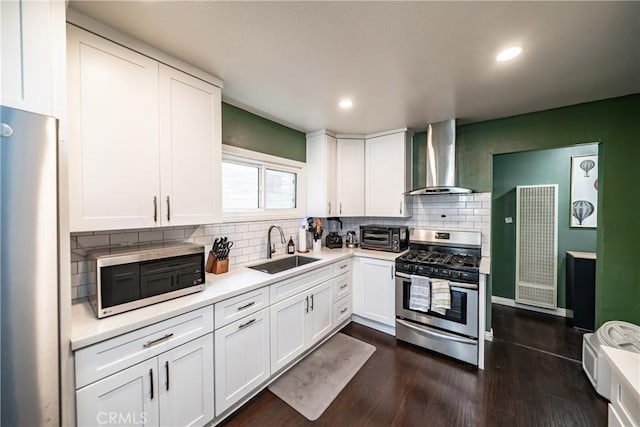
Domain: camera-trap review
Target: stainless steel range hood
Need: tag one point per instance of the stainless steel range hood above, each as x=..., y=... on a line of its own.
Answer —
x=441, y=160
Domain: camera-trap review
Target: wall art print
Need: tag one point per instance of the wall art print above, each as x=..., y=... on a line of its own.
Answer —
x=584, y=191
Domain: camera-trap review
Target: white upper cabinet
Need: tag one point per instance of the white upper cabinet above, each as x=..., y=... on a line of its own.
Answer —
x=321, y=174
x=144, y=140
x=32, y=37
x=190, y=149
x=350, y=177
x=388, y=174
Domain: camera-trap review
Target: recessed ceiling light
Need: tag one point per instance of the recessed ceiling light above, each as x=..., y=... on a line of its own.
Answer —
x=509, y=54
x=345, y=104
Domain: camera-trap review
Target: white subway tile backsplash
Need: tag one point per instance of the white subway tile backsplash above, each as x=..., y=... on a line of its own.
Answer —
x=461, y=212
x=93, y=241
x=149, y=236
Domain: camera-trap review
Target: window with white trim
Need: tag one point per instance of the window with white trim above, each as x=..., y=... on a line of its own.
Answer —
x=256, y=185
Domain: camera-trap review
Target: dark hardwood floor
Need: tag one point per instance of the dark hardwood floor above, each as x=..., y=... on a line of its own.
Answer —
x=536, y=330
x=404, y=385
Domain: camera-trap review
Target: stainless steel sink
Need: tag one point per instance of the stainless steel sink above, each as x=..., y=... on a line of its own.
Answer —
x=283, y=264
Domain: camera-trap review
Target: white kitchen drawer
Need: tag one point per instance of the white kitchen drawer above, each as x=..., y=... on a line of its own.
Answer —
x=341, y=286
x=341, y=267
x=289, y=287
x=232, y=309
x=116, y=354
x=342, y=310
x=625, y=401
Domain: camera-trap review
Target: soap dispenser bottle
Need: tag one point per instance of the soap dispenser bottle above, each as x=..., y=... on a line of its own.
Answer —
x=291, y=247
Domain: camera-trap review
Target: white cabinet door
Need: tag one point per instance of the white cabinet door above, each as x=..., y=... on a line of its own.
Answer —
x=320, y=318
x=242, y=358
x=350, y=177
x=376, y=291
x=190, y=147
x=288, y=330
x=129, y=397
x=387, y=175
x=31, y=49
x=114, y=171
x=186, y=384
x=321, y=175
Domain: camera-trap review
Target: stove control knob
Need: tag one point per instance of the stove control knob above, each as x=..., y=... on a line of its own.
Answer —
x=455, y=275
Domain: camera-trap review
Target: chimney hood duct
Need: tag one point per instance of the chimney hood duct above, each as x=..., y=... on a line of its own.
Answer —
x=441, y=160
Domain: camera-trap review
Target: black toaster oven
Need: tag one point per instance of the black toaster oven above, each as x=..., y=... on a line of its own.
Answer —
x=384, y=238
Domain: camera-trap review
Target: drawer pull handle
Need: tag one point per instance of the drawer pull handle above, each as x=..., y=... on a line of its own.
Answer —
x=242, y=307
x=344, y=286
x=244, y=325
x=343, y=310
x=151, y=380
x=343, y=266
x=157, y=341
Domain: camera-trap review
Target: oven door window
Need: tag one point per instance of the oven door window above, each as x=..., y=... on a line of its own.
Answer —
x=378, y=238
x=457, y=313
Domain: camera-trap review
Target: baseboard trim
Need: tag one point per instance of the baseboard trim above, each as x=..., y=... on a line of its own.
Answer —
x=488, y=335
x=391, y=330
x=560, y=312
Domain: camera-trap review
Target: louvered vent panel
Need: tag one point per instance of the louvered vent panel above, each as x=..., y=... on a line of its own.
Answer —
x=537, y=245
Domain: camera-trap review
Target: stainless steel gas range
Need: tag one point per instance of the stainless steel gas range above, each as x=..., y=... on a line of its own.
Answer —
x=453, y=256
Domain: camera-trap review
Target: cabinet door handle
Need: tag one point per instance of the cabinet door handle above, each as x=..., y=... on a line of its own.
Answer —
x=242, y=307
x=151, y=380
x=392, y=276
x=311, y=302
x=168, y=209
x=155, y=209
x=157, y=341
x=244, y=325
x=166, y=367
x=329, y=208
x=340, y=208
x=306, y=309
x=400, y=208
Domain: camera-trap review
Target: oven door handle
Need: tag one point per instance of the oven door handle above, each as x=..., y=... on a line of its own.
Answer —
x=453, y=284
x=437, y=335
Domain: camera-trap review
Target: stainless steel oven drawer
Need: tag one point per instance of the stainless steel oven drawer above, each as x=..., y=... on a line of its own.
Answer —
x=458, y=347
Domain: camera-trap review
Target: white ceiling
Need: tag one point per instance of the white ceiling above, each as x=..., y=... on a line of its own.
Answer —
x=404, y=64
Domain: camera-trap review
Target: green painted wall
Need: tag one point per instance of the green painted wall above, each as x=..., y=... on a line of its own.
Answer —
x=533, y=168
x=615, y=123
x=246, y=130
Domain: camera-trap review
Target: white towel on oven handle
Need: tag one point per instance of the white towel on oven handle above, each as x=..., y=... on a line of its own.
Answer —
x=440, y=296
x=419, y=293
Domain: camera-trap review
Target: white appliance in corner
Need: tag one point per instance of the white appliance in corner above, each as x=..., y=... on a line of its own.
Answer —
x=29, y=269
x=616, y=334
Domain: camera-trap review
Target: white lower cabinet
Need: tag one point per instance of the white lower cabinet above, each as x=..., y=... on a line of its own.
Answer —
x=186, y=384
x=299, y=322
x=172, y=389
x=242, y=358
x=374, y=290
x=128, y=397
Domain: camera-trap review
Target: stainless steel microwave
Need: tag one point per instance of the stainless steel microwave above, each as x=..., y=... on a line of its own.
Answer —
x=384, y=238
x=143, y=275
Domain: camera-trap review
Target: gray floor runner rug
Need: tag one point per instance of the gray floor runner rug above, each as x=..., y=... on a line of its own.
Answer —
x=311, y=385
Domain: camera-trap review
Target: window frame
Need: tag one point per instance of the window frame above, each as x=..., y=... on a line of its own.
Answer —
x=265, y=161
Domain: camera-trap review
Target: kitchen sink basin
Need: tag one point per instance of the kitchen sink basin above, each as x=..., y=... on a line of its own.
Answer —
x=283, y=264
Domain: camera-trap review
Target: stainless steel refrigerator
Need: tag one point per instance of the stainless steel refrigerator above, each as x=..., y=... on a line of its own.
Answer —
x=29, y=337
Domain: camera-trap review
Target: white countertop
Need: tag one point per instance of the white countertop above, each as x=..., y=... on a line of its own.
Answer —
x=87, y=329
x=586, y=255
x=485, y=265
x=627, y=363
